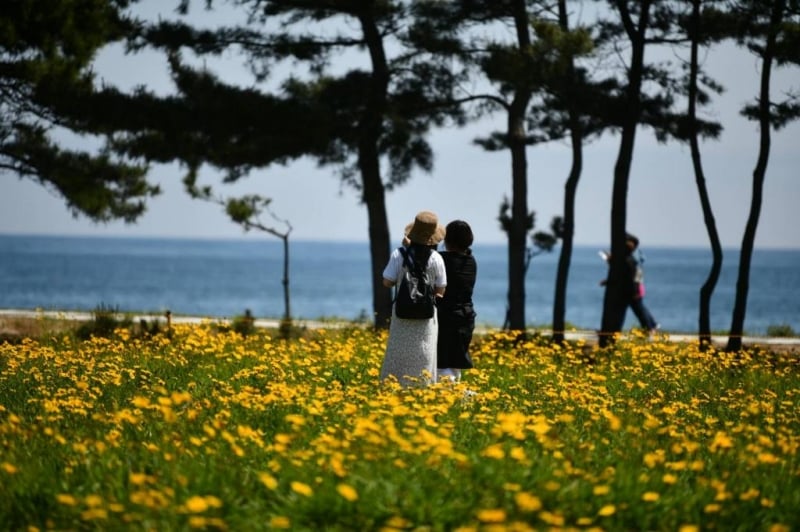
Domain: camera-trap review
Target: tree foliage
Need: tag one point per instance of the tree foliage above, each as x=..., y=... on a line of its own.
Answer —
x=46, y=47
x=368, y=119
x=522, y=59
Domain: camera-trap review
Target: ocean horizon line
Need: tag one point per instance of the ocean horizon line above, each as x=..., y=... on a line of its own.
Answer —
x=262, y=238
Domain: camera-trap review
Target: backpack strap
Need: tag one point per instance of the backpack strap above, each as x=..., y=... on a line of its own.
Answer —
x=406, y=254
x=410, y=261
x=407, y=263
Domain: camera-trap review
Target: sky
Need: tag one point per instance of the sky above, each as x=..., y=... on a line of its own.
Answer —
x=470, y=184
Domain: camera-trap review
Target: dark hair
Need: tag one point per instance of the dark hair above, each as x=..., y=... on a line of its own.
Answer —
x=458, y=235
x=631, y=242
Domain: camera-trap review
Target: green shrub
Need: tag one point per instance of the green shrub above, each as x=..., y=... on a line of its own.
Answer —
x=244, y=325
x=287, y=330
x=105, y=320
x=782, y=330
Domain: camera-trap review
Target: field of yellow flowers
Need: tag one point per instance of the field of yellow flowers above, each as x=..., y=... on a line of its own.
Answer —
x=209, y=429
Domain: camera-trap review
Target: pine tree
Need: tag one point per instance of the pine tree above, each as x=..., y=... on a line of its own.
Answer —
x=770, y=30
x=368, y=117
x=46, y=47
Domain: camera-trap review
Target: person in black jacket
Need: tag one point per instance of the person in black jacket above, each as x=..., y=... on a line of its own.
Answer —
x=455, y=309
x=636, y=275
x=633, y=290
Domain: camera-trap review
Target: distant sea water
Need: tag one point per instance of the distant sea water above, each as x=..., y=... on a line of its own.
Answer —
x=222, y=278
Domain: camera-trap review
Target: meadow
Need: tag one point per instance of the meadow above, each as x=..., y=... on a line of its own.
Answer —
x=204, y=428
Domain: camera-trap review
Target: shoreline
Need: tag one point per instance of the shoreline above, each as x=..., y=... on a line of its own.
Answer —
x=588, y=336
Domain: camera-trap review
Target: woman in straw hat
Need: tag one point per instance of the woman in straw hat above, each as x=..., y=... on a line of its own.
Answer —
x=411, y=349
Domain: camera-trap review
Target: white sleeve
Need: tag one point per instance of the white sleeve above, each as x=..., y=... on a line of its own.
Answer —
x=440, y=274
x=394, y=268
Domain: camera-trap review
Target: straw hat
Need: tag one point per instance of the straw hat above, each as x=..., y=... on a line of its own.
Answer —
x=425, y=229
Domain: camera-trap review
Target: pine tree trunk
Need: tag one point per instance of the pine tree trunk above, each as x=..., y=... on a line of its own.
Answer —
x=706, y=291
x=374, y=193
x=518, y=230
x=570, y=190
x=748, y=240
x=565, y=256
x=287, y=307
x=616, y=298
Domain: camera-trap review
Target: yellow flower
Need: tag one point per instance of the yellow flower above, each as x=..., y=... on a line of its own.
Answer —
x=196, y=505
x=712, y=508
x=689, y=528
x=552, y=519
x=768, y=458
x=607, y=510
x=93, y=501
x=494, y=451
x=527, y=502
x=750, y=494
x=654, y=458
x=541, y=426
x=347, y=491
x=778, y=527
x=137, y=479
x=338, y=466
x=495, y=515
x=650, y=496
x=301, y=488
x=614, y=423
x=552, y=485
x=197, y=521
x=669, y=478
x=94, y=513
x=518, y=454
x=140, y=402
x=280, y=521
x=179, y=398
x=398, y=522
x=296, y=420
x=213, y=501
x=721, y=441
x=66, y=499
x=268, y=480
x=9, y=468
x=601, y=490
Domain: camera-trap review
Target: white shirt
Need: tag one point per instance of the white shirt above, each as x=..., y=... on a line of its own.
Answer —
x=434, y=268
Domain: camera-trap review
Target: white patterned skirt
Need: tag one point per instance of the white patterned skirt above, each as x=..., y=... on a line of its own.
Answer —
x=411, y=351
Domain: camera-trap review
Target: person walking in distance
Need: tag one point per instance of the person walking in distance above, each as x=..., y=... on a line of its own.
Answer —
x=634, y=288
x=456, y=311
x=636, y=273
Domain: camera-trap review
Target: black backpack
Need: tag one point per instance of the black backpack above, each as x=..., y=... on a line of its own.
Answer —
x=415, y=297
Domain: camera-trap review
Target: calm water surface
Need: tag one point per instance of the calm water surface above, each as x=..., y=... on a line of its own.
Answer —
x=222, y=278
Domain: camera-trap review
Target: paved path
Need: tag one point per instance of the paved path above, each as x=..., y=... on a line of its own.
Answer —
x=586, y=335
x=87, y=316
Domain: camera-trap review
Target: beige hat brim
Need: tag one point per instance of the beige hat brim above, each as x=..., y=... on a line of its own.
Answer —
x=435, y=238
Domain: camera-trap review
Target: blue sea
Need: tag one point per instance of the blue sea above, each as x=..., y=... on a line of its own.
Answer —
x=222, y=278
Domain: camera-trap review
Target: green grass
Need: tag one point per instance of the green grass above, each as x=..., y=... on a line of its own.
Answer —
x=211, y=429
